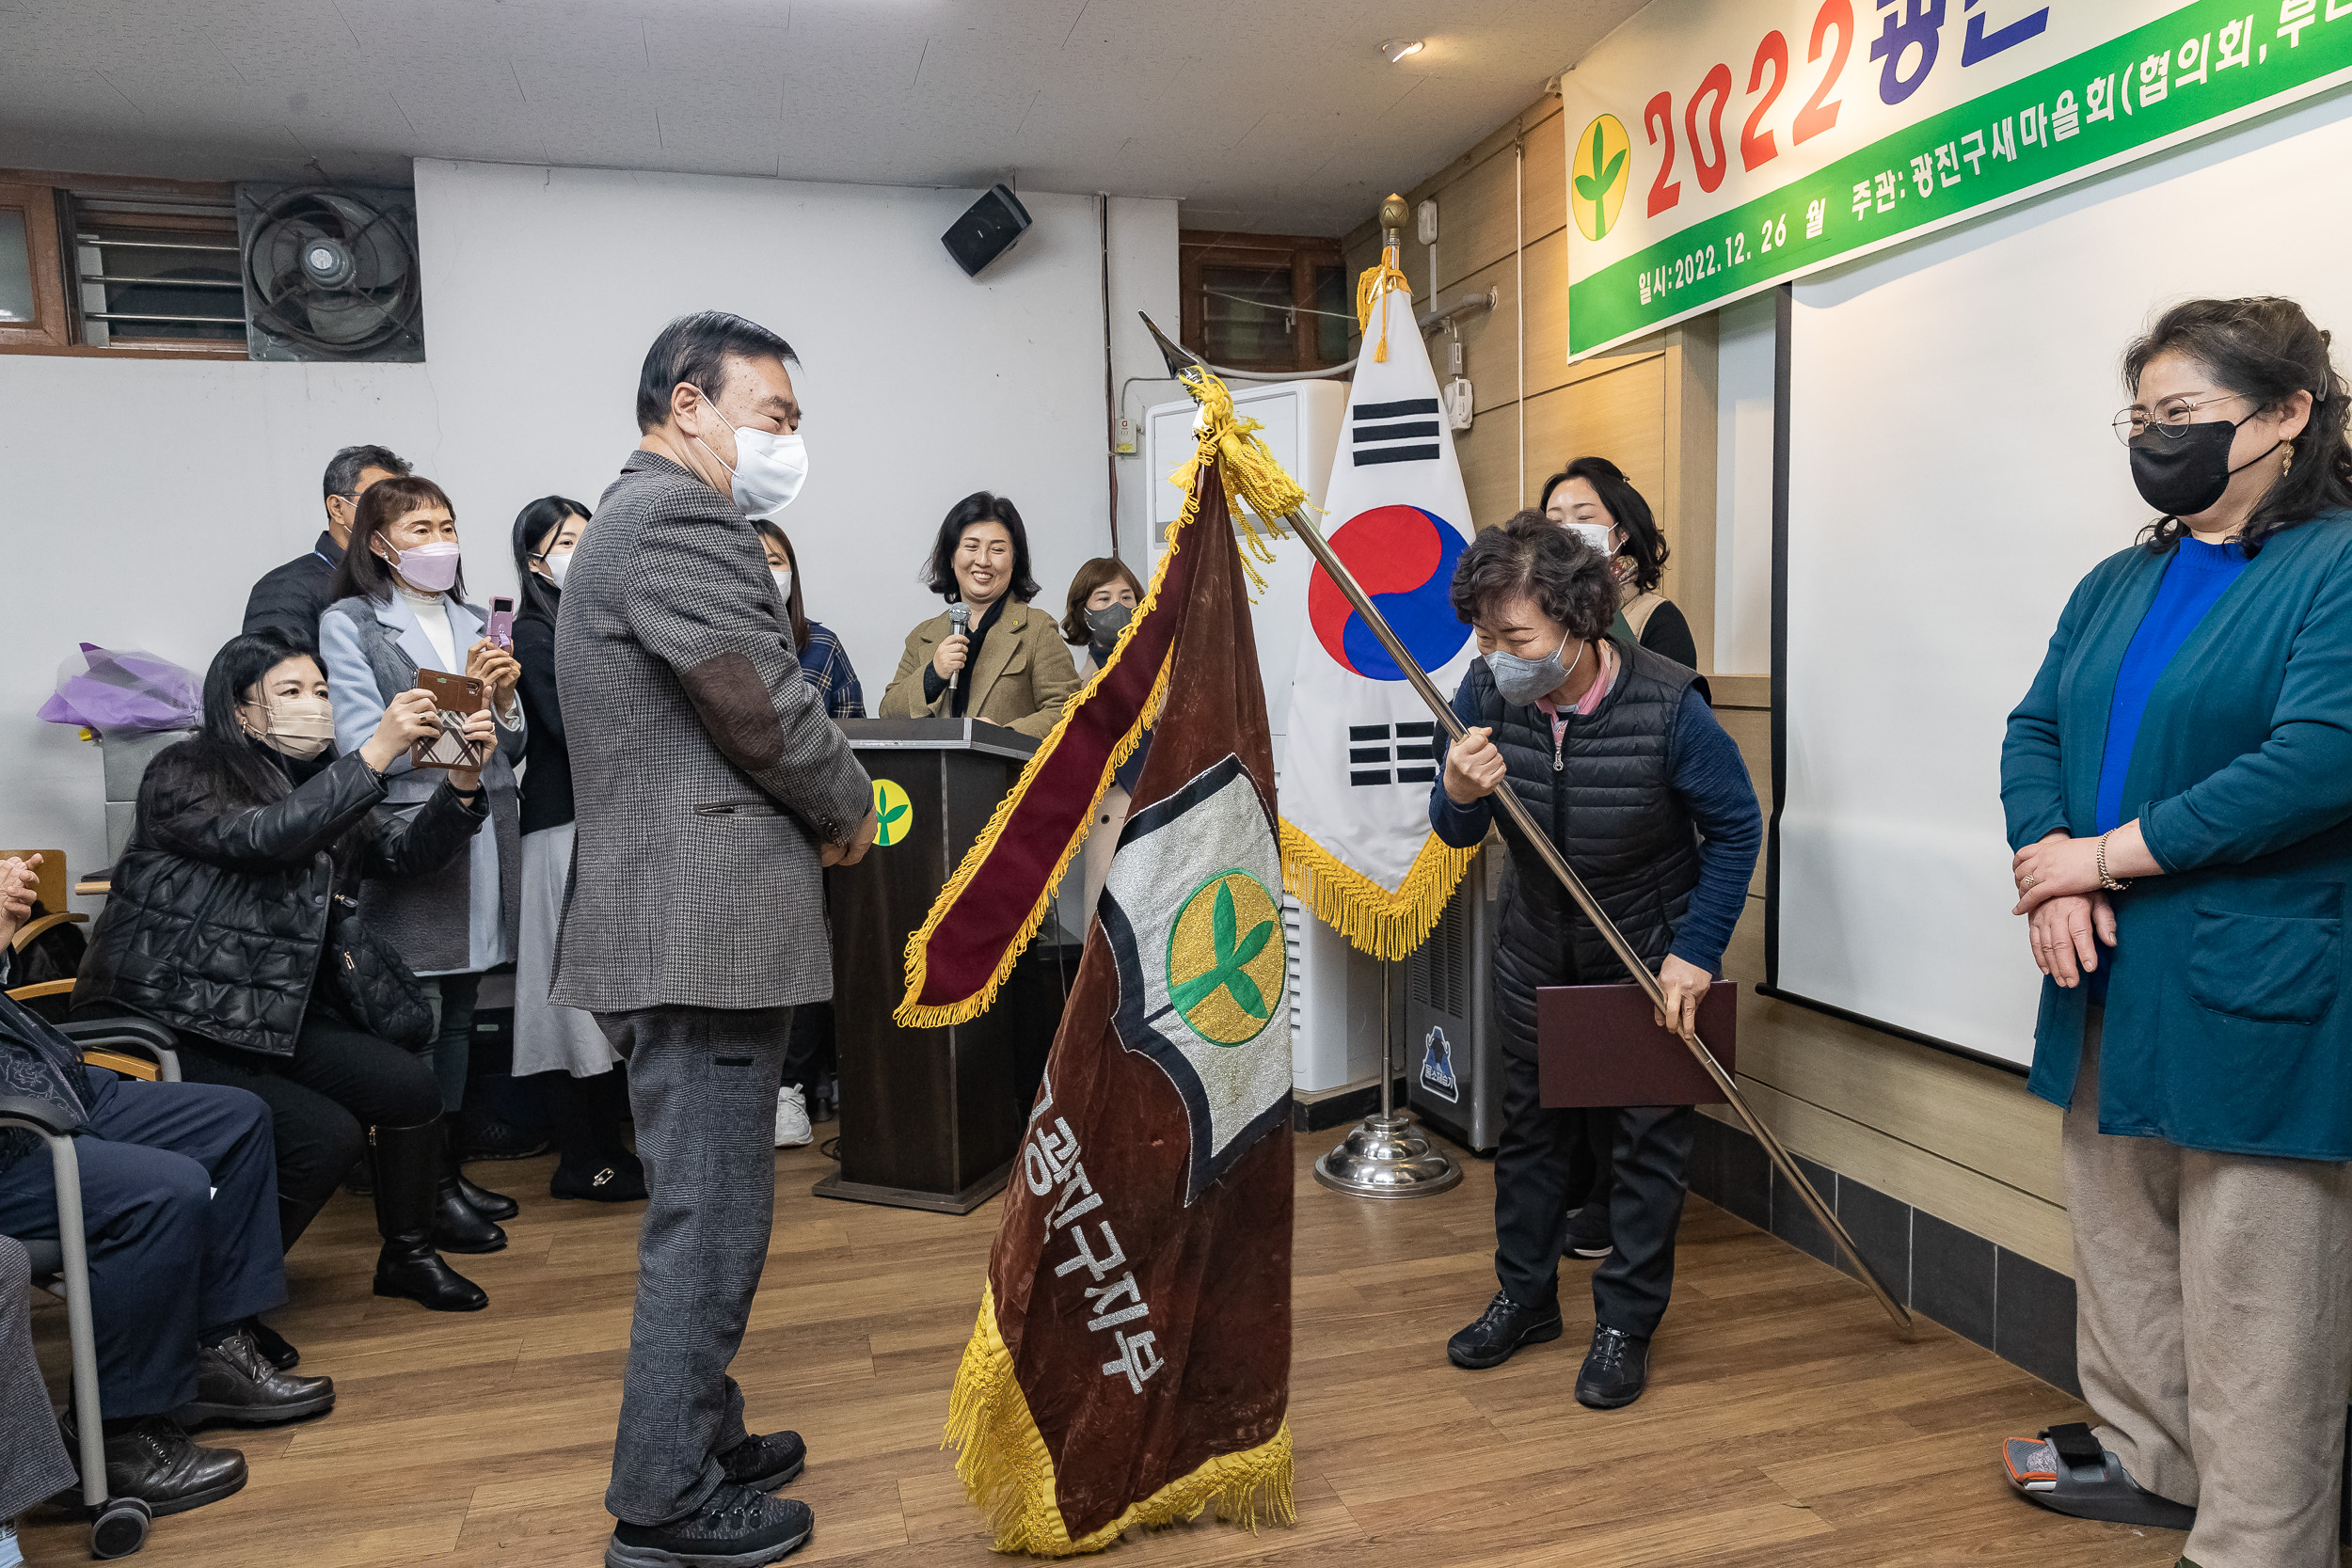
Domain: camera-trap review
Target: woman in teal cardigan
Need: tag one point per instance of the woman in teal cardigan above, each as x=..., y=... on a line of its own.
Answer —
x=2178, y=784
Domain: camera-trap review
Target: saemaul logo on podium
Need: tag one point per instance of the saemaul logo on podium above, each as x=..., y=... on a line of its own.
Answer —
x=1403, y=557
x=894, y=813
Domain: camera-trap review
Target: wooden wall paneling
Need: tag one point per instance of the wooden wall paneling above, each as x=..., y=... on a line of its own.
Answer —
x=1474, y=223
x=1614, y=414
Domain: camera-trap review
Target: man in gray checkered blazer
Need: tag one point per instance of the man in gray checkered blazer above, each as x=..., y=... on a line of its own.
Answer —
x=711, y=790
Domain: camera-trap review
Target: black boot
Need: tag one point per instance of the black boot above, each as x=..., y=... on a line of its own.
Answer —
x=457, y=1225
x=409, y=1195
x=490, y=1205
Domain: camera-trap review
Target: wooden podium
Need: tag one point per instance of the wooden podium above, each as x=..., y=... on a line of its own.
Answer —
x=929, y=1118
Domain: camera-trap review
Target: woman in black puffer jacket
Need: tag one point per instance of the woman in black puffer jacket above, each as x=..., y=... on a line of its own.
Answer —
x=233, y=921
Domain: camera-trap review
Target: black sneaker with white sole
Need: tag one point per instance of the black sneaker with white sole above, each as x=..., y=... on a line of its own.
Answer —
x=735, y=1527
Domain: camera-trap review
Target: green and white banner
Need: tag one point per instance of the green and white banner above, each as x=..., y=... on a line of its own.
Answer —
x=1720, y=146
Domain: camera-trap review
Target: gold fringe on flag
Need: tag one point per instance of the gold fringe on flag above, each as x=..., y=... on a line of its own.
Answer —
x=1374, y=282
x=1251, y=475
x=1007, y=1472
x=1382, y=924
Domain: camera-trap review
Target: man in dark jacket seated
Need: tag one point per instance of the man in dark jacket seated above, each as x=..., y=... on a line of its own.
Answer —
x=179, y=1210
x=293, y=597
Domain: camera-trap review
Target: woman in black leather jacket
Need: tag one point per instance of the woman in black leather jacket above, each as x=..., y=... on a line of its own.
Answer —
x=233, y=921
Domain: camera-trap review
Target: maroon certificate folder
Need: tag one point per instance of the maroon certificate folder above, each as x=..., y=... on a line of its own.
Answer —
x=1601, y=1045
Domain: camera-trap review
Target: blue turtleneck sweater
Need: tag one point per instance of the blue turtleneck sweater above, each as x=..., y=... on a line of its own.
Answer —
x=2193, y=582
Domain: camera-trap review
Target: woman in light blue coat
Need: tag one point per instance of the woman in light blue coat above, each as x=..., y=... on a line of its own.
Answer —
x=397, y=607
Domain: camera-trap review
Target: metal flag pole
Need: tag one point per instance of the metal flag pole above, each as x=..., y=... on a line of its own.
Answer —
x=1386, y=1156
x=1180, y=360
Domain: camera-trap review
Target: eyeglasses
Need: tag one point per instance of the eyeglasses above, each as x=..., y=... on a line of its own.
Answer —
x=2170, y=417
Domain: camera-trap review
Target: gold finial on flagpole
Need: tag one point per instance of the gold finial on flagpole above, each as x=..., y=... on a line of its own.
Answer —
x=1394, y=214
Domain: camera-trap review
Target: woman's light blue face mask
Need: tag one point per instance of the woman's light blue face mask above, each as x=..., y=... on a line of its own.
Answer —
x=1522, y=681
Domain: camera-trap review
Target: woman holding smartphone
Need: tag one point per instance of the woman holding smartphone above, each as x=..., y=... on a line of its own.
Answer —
x=237, y=922
x=399, y=606
x=562, y=1043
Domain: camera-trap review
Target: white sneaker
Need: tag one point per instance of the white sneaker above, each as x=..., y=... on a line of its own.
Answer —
x=792, y=1128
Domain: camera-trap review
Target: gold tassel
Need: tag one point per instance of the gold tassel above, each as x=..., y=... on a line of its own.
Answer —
x=1374, y=282
x=1007, y=1472
x=1375, y=921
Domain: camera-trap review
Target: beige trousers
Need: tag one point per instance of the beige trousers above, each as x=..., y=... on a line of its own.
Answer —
x=2214, y=1330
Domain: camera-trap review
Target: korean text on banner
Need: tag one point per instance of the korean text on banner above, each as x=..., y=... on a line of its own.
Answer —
x=1720, y=146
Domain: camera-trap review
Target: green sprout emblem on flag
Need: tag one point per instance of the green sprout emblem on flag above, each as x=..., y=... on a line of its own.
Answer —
x=1219, y=975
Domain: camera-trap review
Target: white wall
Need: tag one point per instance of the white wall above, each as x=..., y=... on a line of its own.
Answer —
x=1747, y=335
x=139, y=501
x=1952, y=477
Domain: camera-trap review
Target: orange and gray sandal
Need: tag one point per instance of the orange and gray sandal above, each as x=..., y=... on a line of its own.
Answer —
x=2066, y=1471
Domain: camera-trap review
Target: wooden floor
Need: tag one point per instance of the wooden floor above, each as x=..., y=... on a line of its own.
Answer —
x=1784, y=1424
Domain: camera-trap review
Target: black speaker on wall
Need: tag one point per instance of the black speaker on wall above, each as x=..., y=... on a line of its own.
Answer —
x=987, y=231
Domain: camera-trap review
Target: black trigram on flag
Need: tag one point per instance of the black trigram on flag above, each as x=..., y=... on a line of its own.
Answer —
x=1411, y=760
x=1405, y=432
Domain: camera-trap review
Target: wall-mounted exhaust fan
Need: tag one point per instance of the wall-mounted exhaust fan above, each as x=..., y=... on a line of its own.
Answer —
x=330, y=273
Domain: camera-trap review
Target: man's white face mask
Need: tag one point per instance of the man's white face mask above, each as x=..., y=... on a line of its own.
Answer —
x=769, y=469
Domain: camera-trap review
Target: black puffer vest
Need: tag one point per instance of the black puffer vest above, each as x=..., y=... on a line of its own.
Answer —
x=1604, y=795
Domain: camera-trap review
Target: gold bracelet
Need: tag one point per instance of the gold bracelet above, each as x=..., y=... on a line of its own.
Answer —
x=2106, y=881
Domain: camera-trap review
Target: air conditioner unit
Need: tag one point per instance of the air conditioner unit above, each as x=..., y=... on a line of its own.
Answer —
x=1453, y=1054
x=330, y=273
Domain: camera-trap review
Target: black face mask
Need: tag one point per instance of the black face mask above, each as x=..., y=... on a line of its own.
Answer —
x=1103, y=626
x=2183, y=475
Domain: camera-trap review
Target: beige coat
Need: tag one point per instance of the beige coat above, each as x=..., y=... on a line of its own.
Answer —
x=1023, y=677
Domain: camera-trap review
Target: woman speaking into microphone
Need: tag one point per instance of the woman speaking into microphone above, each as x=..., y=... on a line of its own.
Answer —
x=1005, y=662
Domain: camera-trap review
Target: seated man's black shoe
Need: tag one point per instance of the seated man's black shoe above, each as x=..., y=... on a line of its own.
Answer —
x=235, y=1381
x=762, y=1463
x=281, y=1356
x=622, y=1180
x=733, y=1529
x=1500, y=1331
x=1615, y=1370
x=151, y=1459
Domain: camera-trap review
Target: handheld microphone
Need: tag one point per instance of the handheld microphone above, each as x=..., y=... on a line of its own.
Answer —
x=959, y=618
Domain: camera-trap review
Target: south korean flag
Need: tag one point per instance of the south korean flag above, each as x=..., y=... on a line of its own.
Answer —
x=1363, y=748
x=1192, y=910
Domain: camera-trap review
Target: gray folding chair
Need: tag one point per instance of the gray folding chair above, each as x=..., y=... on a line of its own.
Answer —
x=118, y=1526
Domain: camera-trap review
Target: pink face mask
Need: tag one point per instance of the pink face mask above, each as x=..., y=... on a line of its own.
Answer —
x=428, y=568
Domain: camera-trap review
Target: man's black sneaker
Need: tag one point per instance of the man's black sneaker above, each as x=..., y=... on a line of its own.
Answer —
x=1615, y=1370
x=764, y=1462
x=733, y=1529
x=1501, y=1330
x=1587, y=1234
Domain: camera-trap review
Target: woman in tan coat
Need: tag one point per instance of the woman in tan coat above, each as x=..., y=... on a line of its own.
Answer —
x=1009, y=667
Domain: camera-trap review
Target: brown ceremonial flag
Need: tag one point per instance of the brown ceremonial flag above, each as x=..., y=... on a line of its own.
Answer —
x=1130, y=1364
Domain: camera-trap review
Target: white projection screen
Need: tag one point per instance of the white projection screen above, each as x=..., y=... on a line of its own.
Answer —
x=1951, y=476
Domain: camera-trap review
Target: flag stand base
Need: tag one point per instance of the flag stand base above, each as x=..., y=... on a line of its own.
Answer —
x=1386, y=1155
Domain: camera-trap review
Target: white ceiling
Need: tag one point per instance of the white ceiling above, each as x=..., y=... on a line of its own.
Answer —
x=1278, y=116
